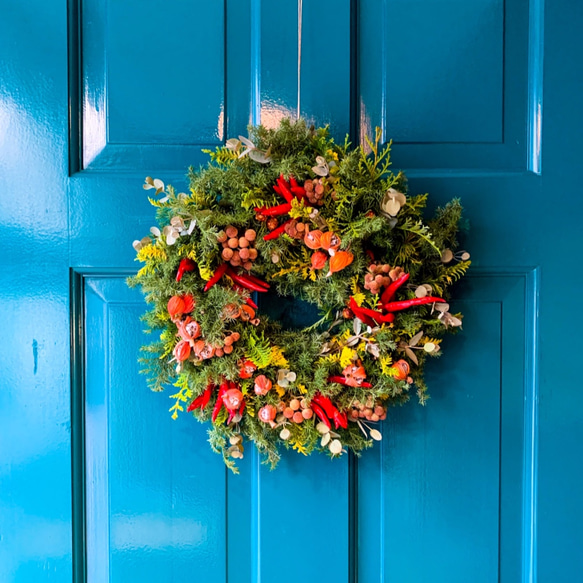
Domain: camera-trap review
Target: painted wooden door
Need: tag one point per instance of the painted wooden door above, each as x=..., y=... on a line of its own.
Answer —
x=482, y=485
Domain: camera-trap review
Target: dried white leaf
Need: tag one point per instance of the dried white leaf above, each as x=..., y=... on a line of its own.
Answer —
x=322, y=428
x=233, y=144
x=259, y=156
x=335, y=447
x=325, y=439
x=391, y=207
x=320, y=170
x=357, y=326
x=376, y=434
x=284, y=433
x=416, y=338
x=155, y=231
x=421, y=291
x=158, y=184
x=465, y=256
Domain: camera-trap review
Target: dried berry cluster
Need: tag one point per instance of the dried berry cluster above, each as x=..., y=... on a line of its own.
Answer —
x=238, y=250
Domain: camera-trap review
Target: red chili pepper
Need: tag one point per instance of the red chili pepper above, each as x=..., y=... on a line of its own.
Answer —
x=202, y=400
x=185, y=265
x=370, y=254
x=256, y=280
x=273, y=211
x=284, y=188
x=277, y=232
x=244, y=282
x=377, y=316
x=251, y=303
x=403, y=305
x=331, y=411
x=342, y=381
x=359, y=314
x=219, y=403
x=320, y=413
x=221, y=269
x=390, y=291
x=342, y=420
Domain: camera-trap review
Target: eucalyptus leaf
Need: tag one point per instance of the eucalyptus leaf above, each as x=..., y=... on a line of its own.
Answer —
x=411, y=355
x=376, y=434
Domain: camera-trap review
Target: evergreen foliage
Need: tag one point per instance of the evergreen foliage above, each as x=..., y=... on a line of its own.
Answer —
x=228, y=192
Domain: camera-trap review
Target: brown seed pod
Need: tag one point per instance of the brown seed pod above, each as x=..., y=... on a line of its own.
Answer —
x=272, y=223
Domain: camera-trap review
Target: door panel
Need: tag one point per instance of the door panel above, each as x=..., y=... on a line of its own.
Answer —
x=456, y=85
x=465, y=477
x=155, y=499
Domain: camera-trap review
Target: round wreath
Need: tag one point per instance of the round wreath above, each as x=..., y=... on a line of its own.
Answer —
x=290, y=211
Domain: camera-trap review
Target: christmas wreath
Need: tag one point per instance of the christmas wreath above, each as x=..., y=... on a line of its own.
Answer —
x=290, y=212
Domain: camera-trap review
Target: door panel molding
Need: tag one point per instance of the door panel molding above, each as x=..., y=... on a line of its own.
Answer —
x=444, y=122
x=388, y=472
x=142, y=483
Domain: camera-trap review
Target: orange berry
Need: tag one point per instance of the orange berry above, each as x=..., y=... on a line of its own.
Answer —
x=221, y=236
x=227, y=254
x=243, y=242
x=288, y=413
x=307, y=413
x=252, y=254
x=297, y=417
x=235, y=336
x=248, y=265
x=228, y=341
x=244, y=254
x=233, y=243
x=294, y=404
x=219, y=352
x=250, y=235
x=227, y=349
x=231, y=231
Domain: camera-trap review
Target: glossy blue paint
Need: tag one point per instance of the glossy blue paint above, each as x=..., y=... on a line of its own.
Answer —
x=481, y=485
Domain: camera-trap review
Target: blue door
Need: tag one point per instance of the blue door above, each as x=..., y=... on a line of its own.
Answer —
x=97, y=482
